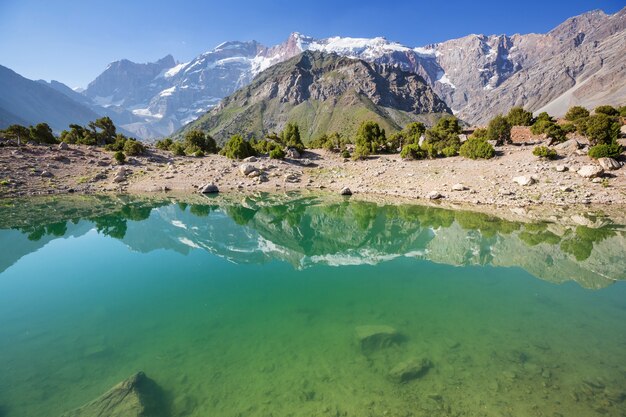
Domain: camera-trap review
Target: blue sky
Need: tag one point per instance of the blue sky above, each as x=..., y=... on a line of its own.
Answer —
x=73, y=40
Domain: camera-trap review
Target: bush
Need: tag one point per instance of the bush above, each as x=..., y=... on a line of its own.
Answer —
x=555, y=133
x=575, y=113
x=164, y=144
x=603, y=150
x=499, y=130
x=606, y=110
x=544, y=152
x=519, y=117
x=277, y=153
x=119, y=157
x=133, y=147
x=413, y=151
x=452, y=150
x=443, y=136
x=622, y=111
x=479, y=134
x=177, y=148
x=477, y=149
x=290, y=137
x=543, y=116
x=197, y=140
x=345, y=153
x=237, y=148
x=368, y=138
x=568, y=128
x=601, y=128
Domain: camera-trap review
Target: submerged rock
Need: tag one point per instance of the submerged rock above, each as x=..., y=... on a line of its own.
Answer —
x=409, y=370
x=375, y=337
x=137, y=396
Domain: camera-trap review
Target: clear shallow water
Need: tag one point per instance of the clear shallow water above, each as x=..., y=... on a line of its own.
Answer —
x=249, y=307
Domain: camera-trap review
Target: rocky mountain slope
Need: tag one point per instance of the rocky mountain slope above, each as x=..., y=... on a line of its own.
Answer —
x=581, y=61
x=323, y=92
x=24, y=101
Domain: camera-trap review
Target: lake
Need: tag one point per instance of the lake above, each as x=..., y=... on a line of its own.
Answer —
x=309, y=305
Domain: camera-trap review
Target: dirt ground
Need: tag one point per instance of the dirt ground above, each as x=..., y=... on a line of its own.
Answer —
x=36, y=169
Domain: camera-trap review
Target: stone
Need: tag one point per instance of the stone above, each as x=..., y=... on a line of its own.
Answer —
x=434, y=195
x=590, y=171
x=137, y=396
x=209, y=189
x=568, y=147
x=375, y=337
x=409, y=370
x=345, y=191
x=293, y=178
x=292, y=153
x=596, y=180
x=250, y=159
x=306, y=162
x=561, y=168
x=63, y=146
x=459, y=187
x=609, y=164
x=46, y=174
x=247, y=169
x=524, y=181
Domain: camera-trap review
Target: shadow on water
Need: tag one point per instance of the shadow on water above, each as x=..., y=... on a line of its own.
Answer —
x=157, y=402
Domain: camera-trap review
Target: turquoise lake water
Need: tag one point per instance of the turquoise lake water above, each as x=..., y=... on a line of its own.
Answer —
x=251, y=306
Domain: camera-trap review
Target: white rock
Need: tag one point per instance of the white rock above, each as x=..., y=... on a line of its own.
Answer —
x=609, y=164
x=524, y=181
x=346, y=191
x=560, y=168
x=292, y=153
x=459, y=187
x=63, y=146
x=250, y=159
x=246, y=169
x=434, y=195
x=590, y=171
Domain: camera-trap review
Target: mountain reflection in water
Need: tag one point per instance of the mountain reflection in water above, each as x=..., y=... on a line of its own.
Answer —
x=305, y=230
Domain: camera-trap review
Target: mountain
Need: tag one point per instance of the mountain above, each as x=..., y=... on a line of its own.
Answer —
x=580, y=61
x=323, y=92
x=27, y=102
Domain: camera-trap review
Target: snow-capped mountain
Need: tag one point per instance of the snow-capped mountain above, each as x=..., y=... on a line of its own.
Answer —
x=477, y=75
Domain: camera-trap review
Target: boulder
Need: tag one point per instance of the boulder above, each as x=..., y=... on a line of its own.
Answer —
x=250, y=159
x=247, y=169
x=568, y=147
x=524, y=181
x=292, y=153
x=375, y=337
x=63, y=146
x=434, y=195
x=209, y=189
x=609, y=164
x=409, y=370
x=590, y=171
x=345, y=191
x=137, y=396
x=46, y=174
x=459, y=187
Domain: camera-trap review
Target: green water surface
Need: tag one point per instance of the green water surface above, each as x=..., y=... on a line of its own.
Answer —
x=249, y=306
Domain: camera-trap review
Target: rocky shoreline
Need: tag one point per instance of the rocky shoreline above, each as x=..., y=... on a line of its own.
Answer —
x=515, y=178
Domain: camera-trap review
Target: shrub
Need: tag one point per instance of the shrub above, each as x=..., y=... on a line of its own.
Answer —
x=413, y=151
x=519, y=117
x=42, y=133
x=603, y=150
x=622, y=111
x=277, y=153
x=568, y=128
x=345, y=153
x=477, y=149
x=499, y=130
x=479, y=134
x=290, y=137
x=543, y=116
x=177, y=148
x=133, y=147
x=444, y=135
x=119, y=157
x=575, y=113
x=606, y=110
x=368, y=138
x=555, y=133
x=196, y=139
x=544, y=152
x=237, y=148
x=164, y=144
x=601, y=128
x=450, y=151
